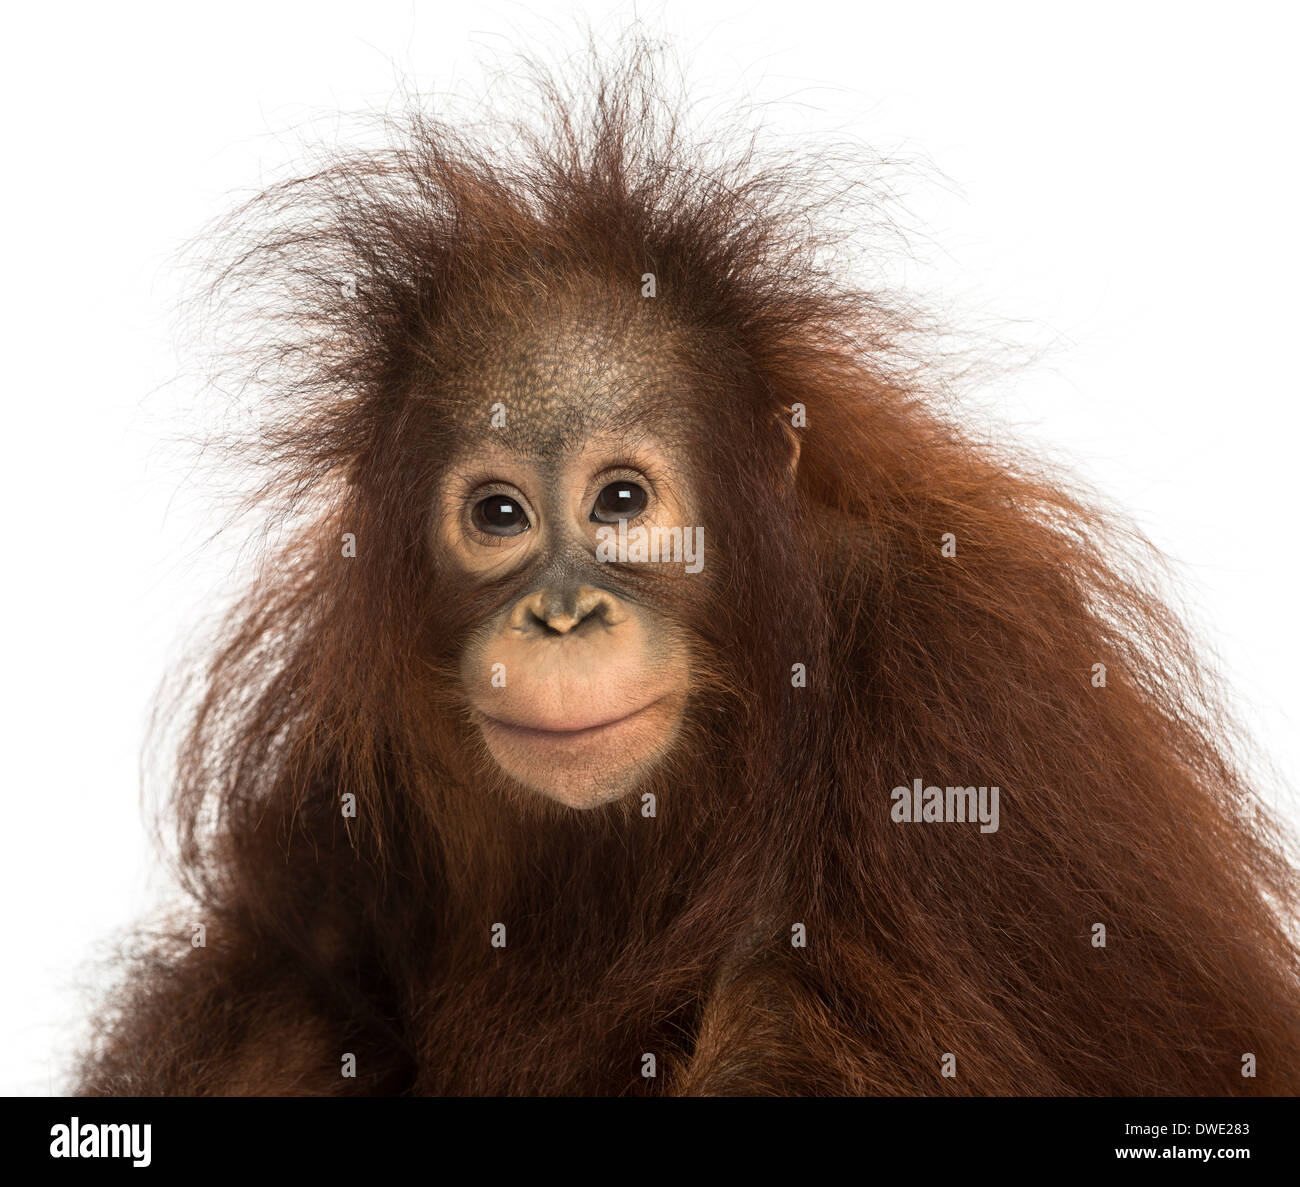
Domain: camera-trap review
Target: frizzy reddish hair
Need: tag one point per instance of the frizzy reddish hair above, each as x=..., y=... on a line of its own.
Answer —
x=360, y=294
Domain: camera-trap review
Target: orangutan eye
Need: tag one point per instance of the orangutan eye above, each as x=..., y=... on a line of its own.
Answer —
x=618, y=500
x=500, y=515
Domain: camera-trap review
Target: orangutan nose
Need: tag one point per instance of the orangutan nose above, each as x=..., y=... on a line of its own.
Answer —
x=559, y=611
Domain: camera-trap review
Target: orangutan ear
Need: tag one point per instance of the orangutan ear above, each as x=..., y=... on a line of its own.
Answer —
x=792, y=420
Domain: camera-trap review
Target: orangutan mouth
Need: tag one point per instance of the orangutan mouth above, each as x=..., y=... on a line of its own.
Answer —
x=566, y=732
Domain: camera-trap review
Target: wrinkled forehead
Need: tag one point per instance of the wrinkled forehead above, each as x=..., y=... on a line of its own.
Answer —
x=544, y=390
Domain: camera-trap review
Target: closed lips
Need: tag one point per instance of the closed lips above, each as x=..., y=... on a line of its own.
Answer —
x=567, y=731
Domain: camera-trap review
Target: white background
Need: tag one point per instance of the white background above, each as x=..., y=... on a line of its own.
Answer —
x=1116, y=182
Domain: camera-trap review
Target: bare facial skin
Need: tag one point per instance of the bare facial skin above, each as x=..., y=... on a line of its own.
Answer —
x=578, y=687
